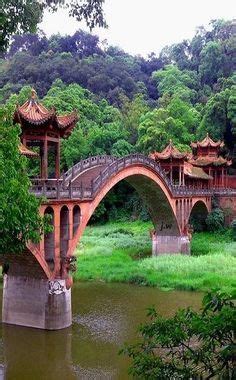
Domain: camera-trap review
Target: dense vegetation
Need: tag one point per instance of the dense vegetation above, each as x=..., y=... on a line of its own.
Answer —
x=19, y=216
x=121, y=252
x=183, y=93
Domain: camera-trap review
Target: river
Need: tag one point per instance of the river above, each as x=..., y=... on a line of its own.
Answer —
x=104, y=317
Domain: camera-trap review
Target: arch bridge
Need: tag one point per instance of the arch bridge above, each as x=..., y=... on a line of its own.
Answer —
x=41, y=276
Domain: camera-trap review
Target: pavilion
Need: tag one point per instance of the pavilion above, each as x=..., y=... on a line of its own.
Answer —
x=43, y=128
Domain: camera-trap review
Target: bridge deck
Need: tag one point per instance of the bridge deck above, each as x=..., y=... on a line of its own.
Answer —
x=86, y=178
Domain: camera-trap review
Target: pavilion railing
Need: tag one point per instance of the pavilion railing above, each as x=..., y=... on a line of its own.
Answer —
x=64, y=188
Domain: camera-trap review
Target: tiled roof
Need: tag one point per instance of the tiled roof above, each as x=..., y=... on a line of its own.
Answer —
x=210, y=160
x=169, y=152
x=36, y=114
x=195, y=172
x=207, y=141
x=26, y=151
x=66, y=120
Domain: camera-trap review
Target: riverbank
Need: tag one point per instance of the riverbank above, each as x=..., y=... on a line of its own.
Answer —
x=121, y=252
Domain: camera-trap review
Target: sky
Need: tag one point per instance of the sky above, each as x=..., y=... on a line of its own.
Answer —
x=145, y=26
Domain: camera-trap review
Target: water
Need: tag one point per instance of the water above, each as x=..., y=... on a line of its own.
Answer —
x=104, y=317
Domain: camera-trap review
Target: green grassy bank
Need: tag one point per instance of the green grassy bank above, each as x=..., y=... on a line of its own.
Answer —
x=120, y=252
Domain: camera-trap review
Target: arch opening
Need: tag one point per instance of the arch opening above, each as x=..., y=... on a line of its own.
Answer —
x=198, y=216
x=155, y=194
x=64, y=231
x=49, y=239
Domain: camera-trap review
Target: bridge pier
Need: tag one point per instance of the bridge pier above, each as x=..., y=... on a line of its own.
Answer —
x=36, y=302
x=170, y=244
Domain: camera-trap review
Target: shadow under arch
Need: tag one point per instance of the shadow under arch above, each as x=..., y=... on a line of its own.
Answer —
x=153, y=191
x=198, y=215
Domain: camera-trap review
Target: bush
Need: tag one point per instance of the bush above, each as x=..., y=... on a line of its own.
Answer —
x=215, y=220
x=233, y=226
x=200, y=246
x=188, y=345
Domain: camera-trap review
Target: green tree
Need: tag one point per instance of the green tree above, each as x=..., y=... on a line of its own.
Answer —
x=100, y=125
x=189, y=345
x=218, y=116
x=157, y=127
x=19, y=215
x=173, y=81
x=132, y=110
x=215, y=220
x=20, y=16
x=211, y=62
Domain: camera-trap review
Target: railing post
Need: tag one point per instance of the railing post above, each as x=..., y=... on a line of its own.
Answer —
x=58, y=189
x=82, y=190
x=44, y=188
x=70, y=189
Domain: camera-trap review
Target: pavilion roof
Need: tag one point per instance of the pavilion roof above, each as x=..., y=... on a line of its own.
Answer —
x=210, y=161
x=34, y=113
x=26, y=151
x=169, y=152
x=206, y=142
x=195, y=172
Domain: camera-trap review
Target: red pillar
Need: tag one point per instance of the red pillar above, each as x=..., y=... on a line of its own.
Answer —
x=57, y=169
x=45, y=159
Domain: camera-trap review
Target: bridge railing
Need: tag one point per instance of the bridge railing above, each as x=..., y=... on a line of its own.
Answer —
x=64, y=188
x=88, y=163
x=124, y=162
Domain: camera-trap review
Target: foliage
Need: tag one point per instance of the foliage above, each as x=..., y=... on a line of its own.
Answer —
x=233, y=225
x=23, y=16
x=20, y=220
x=181, y=94
x=189, y=344
x=215, y=220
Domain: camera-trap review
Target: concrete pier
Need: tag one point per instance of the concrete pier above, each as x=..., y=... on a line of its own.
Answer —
x=36, y=302
x=170, y=244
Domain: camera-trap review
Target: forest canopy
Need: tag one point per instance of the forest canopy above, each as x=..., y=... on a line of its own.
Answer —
x=129, y=103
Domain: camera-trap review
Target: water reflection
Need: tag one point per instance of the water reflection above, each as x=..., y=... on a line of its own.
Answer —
x=104, y=317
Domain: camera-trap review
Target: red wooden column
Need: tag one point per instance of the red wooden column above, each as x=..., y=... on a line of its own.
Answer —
x=57, y=168
x=45, y=158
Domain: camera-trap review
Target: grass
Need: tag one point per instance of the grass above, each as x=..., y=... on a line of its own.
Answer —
x=121, y=252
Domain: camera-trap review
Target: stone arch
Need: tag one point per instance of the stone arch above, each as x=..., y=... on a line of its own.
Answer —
x=151, y=188
x=76, y=218
x=49, y=239
x=64, y=231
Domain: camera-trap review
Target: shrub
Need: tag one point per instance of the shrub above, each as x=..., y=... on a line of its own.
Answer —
x=233, y=226
x=189, y=345
x=215, y=220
